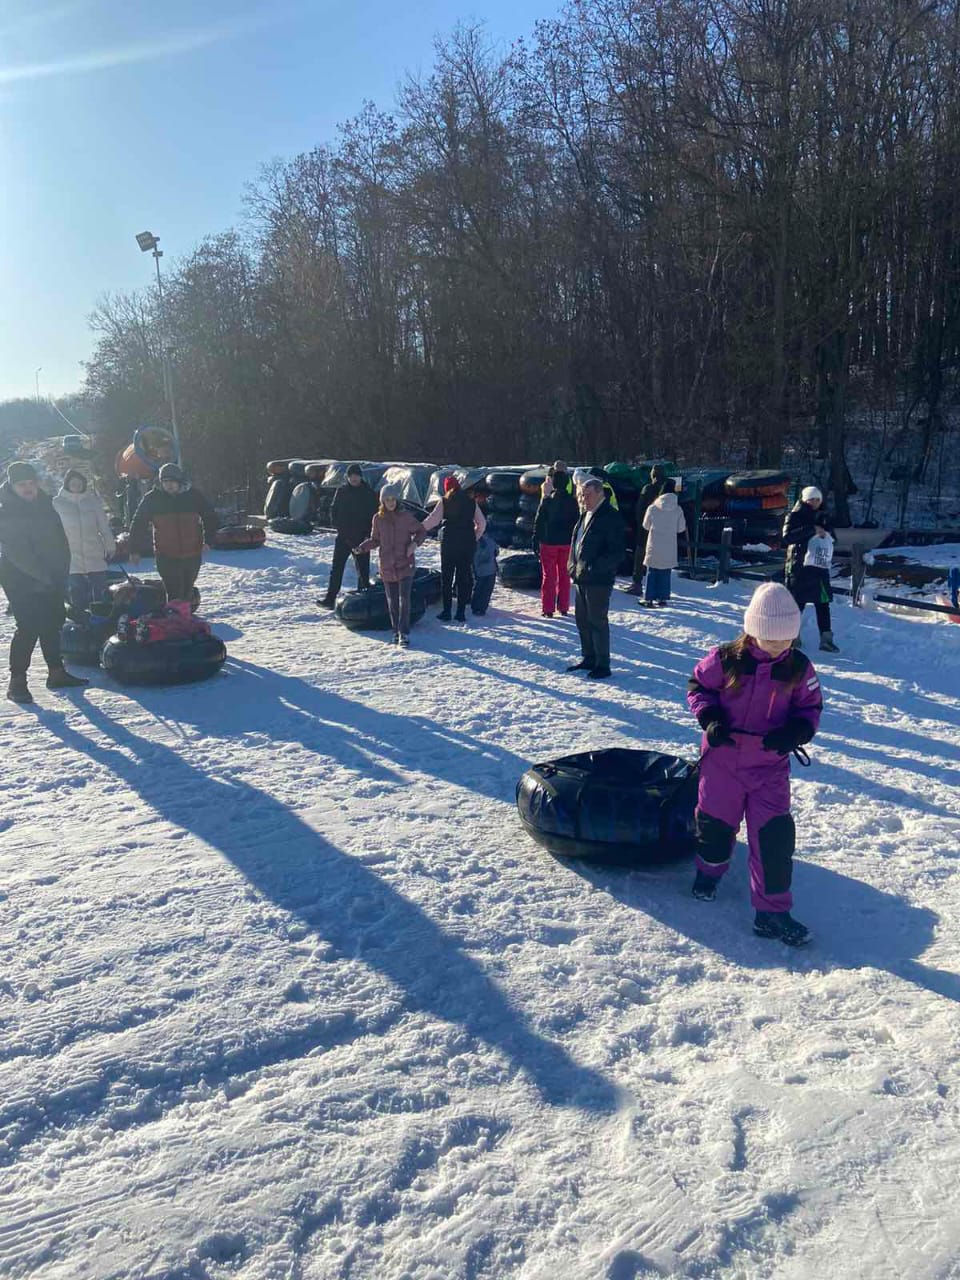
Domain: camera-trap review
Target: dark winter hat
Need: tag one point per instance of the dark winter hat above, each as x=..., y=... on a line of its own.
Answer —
x=74, y=474
x=170, y=471
x=658, y=471
x=669, y=486
x=355, y=469
x=18, y=471
x=390, y=491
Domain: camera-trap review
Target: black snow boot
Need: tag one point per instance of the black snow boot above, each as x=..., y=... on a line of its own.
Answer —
x=781, y=926
x=18, y=691
x=705, y=887
x=327, y=602
x=461, y=615
x=60, y=678
x=826, y=643
x=444, y=616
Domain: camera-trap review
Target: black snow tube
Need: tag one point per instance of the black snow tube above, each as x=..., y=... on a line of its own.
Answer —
x=529, y=504
x=165, y=661
x=427, y=586
x=504, y=482
x=81, y=643
x=521, y=572
x=286, y=525
x=755, y=484
x=503, y=505
x=277, y=504
x=501, y=529
x=617, y=806
x=526, y=522
x=367, y=610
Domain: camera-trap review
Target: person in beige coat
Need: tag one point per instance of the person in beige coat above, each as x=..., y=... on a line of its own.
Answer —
x=84, y=520
x=664, y=522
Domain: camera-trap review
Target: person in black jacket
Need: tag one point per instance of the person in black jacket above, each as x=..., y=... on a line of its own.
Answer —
x=461, y=525
x=595, y=555
x=183, y=522
x=809, y=584
x=34, y=564
x=557, y=516
x=354, y=506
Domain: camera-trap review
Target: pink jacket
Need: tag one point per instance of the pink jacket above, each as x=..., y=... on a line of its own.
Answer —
x=395, y=533
x=768, y=693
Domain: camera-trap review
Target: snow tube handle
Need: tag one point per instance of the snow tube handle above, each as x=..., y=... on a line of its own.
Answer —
x=802, y=757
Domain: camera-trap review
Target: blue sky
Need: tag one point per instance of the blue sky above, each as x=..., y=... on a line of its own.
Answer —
x=116, y=117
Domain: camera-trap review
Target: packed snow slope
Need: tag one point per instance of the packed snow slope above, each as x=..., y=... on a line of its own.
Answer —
x=285, y=991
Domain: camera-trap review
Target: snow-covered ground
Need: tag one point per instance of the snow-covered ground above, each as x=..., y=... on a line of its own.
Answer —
x=285, y=992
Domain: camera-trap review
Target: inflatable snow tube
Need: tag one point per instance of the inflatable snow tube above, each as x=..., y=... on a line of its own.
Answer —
x=165, y=662
x=521, y=541
x=278, y=468
x=525, y=522
x=616, y=806
x=519, y=572
x=503, y=482
x=277, y=503
x=503, y=504
x=427, y=586
x=244, y=537
x=285, y=525
x=531, y=482
x=81, y=643
x=303, y=502
x=367, y=610
x=501, y=531
x=757, y=484
x=529, y=503
x=773, y=502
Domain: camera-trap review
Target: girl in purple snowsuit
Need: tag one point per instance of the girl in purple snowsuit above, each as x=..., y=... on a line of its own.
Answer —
x=756, y=700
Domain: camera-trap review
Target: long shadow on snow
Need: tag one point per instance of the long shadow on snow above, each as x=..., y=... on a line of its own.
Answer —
x=304, y=874
x=854, y=925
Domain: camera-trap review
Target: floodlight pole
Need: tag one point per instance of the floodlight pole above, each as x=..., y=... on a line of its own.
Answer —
x=148, y=242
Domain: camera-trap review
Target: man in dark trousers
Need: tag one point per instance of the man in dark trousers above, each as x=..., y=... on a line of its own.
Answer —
x=183, y=521
x=354, y=506
x=595, y=554
x=34, y=564
x=462, y=523
x=648, y=496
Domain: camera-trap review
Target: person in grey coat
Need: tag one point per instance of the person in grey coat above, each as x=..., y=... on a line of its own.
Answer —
x=484, y=574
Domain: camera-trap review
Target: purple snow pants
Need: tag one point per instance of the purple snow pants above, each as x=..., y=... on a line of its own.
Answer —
x=744, y=781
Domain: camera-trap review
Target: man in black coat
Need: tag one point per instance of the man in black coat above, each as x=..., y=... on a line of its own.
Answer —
x=354, y=506
x=34, y=565
x=807, y=583
x=595, y=554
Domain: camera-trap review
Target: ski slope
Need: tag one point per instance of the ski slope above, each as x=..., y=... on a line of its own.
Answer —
x=285, y=992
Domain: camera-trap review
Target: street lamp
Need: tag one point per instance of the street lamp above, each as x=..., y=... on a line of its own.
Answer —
x=149, y=243
x=36, y=379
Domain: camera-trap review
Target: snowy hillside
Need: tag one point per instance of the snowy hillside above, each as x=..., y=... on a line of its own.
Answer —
x=285, y=992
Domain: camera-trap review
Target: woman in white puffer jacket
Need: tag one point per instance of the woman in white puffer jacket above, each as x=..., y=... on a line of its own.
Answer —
x=91, y=539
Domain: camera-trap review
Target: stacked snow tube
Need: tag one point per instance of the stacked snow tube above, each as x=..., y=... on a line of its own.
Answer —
x=81, y=642
x=285, y=525
x=367, y=610
x=756, y=504
x=246, y=537
x=133, y=596
x=164, y=662
x=531, y=482
x=323, y=506
x=616, y=806
x=520, y=572
x=511, y=527
x=277, y=504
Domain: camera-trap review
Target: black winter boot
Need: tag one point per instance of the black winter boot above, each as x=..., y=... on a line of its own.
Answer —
x=60, y=678
x=826, y=642
x=705, y=887
x=781, y=926
x=18, y=691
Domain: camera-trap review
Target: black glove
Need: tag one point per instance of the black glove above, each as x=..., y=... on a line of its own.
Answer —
x=715, y=727
x=793, y=734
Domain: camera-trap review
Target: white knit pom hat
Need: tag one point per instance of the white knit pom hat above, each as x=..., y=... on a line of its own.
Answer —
x=772, y=614
x=810, y=494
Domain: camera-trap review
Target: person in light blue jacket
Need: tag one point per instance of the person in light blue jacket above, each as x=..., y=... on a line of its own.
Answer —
x=484, y=574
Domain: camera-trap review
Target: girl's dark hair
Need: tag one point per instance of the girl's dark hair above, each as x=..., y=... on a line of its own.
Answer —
x=736, y=651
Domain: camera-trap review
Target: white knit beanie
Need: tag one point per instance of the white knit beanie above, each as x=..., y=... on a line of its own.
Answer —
x=810, y=494
x=772, y=614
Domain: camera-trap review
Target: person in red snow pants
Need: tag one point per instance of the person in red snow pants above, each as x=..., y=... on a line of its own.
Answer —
x=756, y=699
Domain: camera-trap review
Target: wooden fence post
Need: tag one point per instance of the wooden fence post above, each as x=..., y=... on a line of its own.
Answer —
x=858, y=573
x=723, y=564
